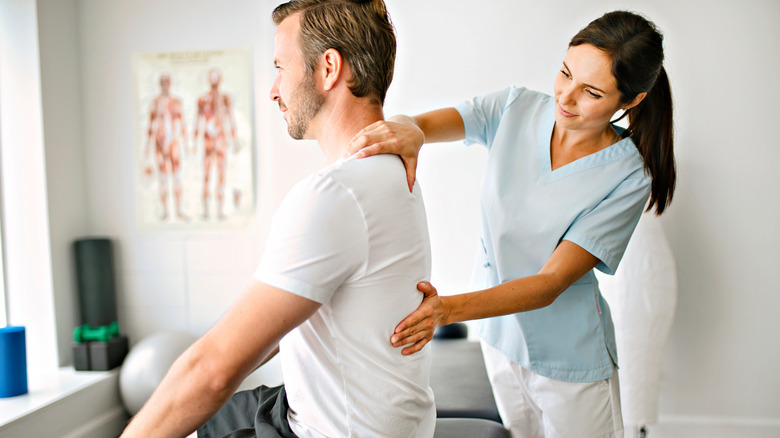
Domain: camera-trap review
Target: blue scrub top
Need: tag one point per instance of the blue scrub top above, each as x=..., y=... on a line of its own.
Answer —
x=528, y=209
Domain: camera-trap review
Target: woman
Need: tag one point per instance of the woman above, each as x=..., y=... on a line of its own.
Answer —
x=563, y=191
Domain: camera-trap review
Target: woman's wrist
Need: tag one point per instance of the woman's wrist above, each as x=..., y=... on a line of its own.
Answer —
x=403, y=118
x=416, y=122
x=411, y=121
x=446, y=310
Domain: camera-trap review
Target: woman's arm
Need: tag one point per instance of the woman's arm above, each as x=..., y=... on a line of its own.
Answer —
x=440, y=125
x=568, y=263
x=404, y=136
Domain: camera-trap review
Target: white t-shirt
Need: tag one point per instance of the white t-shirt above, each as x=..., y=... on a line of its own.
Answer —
x=353, y=238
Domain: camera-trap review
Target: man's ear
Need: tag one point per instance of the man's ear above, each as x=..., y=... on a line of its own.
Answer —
x=332, y=65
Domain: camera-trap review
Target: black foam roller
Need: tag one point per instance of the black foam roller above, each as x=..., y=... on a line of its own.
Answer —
x=96, y=283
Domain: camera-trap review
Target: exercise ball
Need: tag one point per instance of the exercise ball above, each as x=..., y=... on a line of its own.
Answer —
x=146, y=365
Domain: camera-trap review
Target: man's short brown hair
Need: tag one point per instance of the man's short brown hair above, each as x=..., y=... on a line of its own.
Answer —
x=361, y=31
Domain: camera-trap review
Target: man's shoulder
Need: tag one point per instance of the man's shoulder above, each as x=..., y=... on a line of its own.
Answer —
x=351, y=178
x=371, y=173
x=350, y=184
x=332, y=184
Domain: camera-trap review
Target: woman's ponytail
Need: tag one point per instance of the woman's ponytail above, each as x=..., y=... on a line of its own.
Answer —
x=651, y=128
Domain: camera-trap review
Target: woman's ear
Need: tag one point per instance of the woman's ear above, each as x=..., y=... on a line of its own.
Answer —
x=639, y=98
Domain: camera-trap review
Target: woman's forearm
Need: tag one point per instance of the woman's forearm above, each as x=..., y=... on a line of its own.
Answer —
x=439, y=125
x=568, y=263
x=520, y=295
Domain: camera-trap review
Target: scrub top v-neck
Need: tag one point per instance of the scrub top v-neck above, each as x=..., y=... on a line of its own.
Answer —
x=528, y=209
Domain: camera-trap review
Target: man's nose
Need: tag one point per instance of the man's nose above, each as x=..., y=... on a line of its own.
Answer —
x=274, y=95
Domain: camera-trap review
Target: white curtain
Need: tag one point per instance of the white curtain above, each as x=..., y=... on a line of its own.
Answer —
x=642, y=296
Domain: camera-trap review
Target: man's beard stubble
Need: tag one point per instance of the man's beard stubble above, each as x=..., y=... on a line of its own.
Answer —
x=304, y=105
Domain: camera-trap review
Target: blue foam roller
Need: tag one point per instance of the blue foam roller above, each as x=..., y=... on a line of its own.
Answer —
x=13, y=362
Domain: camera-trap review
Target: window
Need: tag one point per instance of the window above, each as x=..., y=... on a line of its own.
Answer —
x=3, y=298
x=26, y=249
x=3, y=307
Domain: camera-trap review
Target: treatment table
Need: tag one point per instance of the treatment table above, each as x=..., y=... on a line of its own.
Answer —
x=465, y=406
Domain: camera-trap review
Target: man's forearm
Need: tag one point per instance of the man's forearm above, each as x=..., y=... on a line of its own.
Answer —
x=209, y=372
x=184, y=400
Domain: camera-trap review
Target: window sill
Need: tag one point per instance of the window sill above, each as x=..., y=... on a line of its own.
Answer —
x=65, y=402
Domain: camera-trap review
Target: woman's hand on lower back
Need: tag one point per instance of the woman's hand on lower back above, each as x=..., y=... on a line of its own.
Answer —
x=418, y=328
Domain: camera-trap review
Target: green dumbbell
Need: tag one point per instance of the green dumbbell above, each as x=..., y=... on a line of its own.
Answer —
x=103, y=333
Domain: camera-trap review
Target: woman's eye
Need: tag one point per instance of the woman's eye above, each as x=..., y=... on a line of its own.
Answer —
x=563, y=72
x=594, y=95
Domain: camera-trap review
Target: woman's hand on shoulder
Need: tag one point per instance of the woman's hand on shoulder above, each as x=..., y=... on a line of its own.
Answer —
x=418, y=328
x=398, y=135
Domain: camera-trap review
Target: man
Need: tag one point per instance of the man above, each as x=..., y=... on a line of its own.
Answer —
x=214, y=120
x=346, y=249
x=166, y=130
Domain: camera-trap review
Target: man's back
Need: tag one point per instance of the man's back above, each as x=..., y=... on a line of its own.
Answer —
x=353, y=238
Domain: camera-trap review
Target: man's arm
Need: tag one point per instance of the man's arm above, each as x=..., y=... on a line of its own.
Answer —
x=207, y=374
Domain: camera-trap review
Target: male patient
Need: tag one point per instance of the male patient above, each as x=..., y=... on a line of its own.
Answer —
x=346, y=249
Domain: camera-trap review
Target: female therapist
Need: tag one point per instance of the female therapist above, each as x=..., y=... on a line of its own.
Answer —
x=562, y=193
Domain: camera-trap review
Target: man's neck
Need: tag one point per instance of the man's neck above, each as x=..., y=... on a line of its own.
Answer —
x=343, y=122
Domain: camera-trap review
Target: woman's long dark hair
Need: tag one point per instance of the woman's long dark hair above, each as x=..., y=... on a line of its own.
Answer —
x=636, y=48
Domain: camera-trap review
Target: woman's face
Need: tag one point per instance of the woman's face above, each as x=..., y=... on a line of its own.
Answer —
x=586, y=94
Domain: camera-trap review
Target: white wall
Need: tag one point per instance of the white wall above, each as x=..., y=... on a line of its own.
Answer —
x=172, y=280
x=720, y=362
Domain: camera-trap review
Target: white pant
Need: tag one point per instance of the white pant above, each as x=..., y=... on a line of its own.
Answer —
x=533, y=406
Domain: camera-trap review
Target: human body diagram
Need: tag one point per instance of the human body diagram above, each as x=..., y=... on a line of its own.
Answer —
x=167, y=136
x=216, y=124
